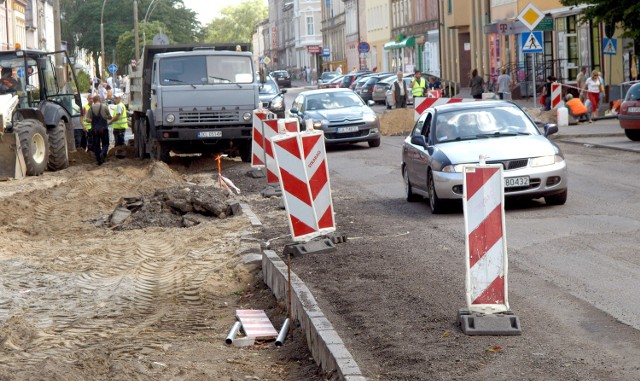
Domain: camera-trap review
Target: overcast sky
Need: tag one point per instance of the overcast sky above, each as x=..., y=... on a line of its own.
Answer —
x=207, y=10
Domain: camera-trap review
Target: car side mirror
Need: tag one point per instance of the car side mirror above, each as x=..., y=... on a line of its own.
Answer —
x=283, y=91
x=294, y=110
x=370, y=103
x=419, y=140
x=550, y=129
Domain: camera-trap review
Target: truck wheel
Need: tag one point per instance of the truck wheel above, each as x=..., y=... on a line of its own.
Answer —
x=161, y=152
x=35, y=145
x=138, y=140
x=58, y=152
x=245, y=153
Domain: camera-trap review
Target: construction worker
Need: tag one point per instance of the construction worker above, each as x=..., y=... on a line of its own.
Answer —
x=418, y=85
x=99, y=118
x=119, y=124
x=86, y=123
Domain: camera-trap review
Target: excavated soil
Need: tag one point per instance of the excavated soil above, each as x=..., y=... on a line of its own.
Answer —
x=148, y=301
x=397, y=121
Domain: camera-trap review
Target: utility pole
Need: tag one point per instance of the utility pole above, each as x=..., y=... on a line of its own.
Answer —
x=135, y=29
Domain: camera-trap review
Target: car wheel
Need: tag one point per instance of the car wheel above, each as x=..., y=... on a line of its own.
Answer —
x=632, y=134
x=374, y=143
x=408, y=192
x=436, y=205
x=556, y=199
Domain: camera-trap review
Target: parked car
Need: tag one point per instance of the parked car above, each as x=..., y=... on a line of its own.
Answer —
x=447, y=137
x=379, y=94
x=335, y=83
x=341, y=114
x=282, y=77
x=366, y=90
x=348, y=78
x=272, y=97
x=326, y=77
x=629, y=114
x=357, y=84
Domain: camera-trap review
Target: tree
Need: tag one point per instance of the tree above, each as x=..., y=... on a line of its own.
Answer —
x=126, y=45
x=237, y=23
x=626, y=13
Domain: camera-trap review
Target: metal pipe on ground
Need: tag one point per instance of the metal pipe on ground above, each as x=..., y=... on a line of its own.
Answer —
x=282, y=336
x=233, y=332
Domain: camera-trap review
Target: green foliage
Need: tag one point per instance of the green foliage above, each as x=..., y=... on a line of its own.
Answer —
x=126, y=45
x=237, y=23
x=84, y=81
x=626, y=13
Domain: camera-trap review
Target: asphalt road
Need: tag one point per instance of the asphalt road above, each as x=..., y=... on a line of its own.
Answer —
x=394, y=289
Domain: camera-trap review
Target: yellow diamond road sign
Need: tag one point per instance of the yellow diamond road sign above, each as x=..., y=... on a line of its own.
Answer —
x=530, y=16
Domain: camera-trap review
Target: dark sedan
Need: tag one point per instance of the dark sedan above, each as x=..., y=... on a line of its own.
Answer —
x=340, y=113
x=272, y=97
x=282, y=77
x=366, y=90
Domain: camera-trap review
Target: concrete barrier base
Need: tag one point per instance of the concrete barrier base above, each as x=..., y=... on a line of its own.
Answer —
x=477, y=324
x=324, y=245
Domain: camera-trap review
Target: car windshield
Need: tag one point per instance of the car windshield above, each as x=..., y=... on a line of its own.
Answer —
x=200, y=70
x=268, y=88
x=335, y=100
x=633, y=94
x=490, y=122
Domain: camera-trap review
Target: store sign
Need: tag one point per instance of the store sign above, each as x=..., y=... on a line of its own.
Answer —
x=546, y=24
x=314, y=49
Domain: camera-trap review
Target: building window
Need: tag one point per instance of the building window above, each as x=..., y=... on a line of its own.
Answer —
x=450, y=6
x=310, y=31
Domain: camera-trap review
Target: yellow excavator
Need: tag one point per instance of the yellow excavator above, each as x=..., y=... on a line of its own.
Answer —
x=38, y=99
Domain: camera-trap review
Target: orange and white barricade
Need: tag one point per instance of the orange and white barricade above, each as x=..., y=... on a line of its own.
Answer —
x=304, y=178
x=486, y=243
x=270, y=129
x=257, y=137
x=556, y=95
x=420, y=104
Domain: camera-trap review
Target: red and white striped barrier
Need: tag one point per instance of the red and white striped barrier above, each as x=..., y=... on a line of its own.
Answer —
x=486, y=244
x=272, y=128
x=420, y=104
x=257, y=137
x=556, y=95
x=304, y=178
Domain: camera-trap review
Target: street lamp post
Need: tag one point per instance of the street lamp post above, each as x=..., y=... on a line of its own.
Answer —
x=135, y=29
x=102, y=37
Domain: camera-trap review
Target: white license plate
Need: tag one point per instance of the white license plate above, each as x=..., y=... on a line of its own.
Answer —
x=634, y=109
x=512, y=182
x=342, y=130
x=210, y=134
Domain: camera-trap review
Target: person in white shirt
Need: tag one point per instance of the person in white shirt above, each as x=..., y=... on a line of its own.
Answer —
x=593, y=85
x=400, y=92
x=504, y=83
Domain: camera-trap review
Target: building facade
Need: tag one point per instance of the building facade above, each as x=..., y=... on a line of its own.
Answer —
x=333, y=35
x=378, y=27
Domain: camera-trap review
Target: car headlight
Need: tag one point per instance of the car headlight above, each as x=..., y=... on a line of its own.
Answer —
x=546, y=160
x=278, y=103
x=170, y=118
x=454, y=168
x=246, y=116
x=320, y=123
x=369, y=118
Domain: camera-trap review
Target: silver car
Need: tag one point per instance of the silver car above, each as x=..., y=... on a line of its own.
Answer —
x=340, y=113
x=447, y=137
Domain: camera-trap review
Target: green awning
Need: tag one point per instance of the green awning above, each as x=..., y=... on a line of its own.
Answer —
x=407, y=42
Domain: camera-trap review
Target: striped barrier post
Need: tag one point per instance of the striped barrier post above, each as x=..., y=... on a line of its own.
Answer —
x=420, y=104
x=486, y=253
x=271, y=129
x=257, y=137
x=304, y=178
x=556, y=95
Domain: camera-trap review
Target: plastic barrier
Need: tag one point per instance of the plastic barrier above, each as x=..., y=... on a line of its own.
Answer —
x=420, y=104
x=556, y=95
x=271, y=128
x=257, y=137
x=486, y=245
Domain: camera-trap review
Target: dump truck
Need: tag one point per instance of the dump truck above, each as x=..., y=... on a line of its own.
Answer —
x=37, y=103
x=193, y=99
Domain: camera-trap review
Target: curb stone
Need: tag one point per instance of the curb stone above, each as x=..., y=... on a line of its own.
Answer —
x=326, y=346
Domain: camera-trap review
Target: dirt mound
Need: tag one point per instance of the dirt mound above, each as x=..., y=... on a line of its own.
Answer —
x=541, y=116
x=397, y=122
x=182, y=206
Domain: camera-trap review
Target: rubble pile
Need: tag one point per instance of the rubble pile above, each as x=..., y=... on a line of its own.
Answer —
x=183, y=206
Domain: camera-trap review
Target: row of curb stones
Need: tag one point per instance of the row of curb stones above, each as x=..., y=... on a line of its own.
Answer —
x=326, y=346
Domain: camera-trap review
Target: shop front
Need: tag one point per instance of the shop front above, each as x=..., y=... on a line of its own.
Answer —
x=402, y=53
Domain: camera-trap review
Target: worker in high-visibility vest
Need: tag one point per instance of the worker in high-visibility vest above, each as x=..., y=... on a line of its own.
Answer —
x=86, y=124
x=418, y=85
x=119, y=124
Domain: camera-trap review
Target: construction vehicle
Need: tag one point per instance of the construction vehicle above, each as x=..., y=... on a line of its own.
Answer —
x=37, y=103
x=193, y=99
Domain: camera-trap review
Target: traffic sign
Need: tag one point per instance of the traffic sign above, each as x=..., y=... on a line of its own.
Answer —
x=364, y=47
x=326, y=52
x=530, y=16
x=265, y=60
x=20, y=72
x=113, y=68
x=609, y=46
x=532, y=42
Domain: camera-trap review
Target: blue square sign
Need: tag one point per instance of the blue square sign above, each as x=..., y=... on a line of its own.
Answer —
x=532, y=42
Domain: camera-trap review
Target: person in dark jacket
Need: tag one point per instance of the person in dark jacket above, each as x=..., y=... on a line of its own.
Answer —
x=99, y=117
x=477, y=85
x=400, y=92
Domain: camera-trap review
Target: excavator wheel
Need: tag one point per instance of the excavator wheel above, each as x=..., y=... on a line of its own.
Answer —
x=58, y=152
x=35, y=145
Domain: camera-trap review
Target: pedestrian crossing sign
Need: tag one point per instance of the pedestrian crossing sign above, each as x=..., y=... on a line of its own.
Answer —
x=532, y=42
x=609, y=46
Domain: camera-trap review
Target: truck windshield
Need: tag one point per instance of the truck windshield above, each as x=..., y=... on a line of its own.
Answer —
x=201, y=70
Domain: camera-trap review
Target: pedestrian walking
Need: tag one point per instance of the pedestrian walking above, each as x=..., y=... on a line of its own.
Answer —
x=504, y=83
x=308, y=71
x=476, y=84
x=400, y=91
x=581, y=79
x=119, y=125
x=547, y=92
x=314, y=76
x=339, y=69
x=593, y=86
x=102, y=91
x=418, y=85
x=99, y=117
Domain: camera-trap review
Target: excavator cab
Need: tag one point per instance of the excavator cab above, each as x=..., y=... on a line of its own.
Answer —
x=38, y=98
